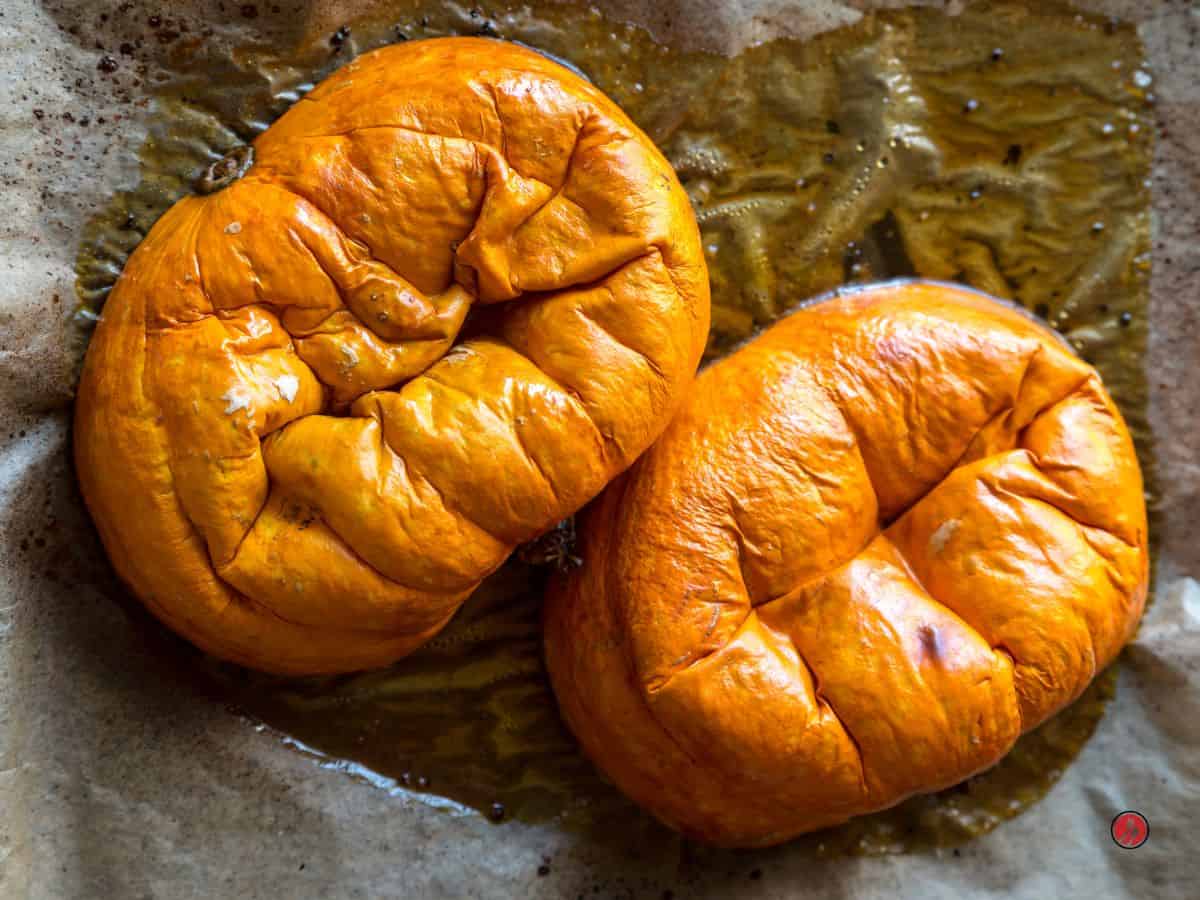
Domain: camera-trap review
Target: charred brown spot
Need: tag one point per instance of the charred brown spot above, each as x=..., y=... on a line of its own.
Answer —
x=226, y=170
x=931, y=641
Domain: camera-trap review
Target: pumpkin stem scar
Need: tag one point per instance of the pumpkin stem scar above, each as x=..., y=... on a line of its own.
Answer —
x=225, y=171
x=554, y=548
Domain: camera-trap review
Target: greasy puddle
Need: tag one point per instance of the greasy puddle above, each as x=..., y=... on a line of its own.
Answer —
x=1004, y=147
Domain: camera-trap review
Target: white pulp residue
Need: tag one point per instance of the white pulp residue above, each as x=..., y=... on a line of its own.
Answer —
x=236, y=398
x=942, y=535
x=287, y=385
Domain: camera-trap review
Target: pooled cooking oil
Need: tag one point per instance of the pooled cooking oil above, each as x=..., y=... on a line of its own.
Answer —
x=1006, y=147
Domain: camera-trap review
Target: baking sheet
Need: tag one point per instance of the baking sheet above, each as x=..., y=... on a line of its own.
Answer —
x=122, y=774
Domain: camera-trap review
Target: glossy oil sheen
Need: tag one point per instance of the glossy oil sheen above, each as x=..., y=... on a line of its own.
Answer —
x=902, y=145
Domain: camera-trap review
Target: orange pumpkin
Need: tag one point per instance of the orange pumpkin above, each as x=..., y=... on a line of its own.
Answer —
x=455, y=294
x=878, y=543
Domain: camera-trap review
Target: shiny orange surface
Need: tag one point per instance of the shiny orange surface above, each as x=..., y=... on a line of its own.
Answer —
x=456, y=294
x=876, y=545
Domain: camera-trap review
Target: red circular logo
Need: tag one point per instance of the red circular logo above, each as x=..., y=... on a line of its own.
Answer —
x=1130, y=829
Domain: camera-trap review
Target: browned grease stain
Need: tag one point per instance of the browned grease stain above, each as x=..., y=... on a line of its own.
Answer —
x=1007, y=147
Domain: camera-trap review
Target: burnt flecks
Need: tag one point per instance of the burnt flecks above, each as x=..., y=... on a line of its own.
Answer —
x=107, y=64
x=339, y=37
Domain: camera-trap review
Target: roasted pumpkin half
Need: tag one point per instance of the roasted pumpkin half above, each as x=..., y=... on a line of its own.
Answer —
x=455, y=293
x=878, y=543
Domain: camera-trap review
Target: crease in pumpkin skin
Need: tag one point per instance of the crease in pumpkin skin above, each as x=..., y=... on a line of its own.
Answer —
x=247, y=600
x=411, y=472
x=999, y=646
x=571, y=393
x=594, y=323
x=1000, y=491
x=629, y=665
x=568, y=390
x=379, y=416
x=688, y=660
x=348, y=545
x=658, y=247
x=490, y=91
x=641, y=691
x=1074, y=516
x=555, y=191
x=600, y=281
x=824, y=702
x=752, y=607
x=1006, y=411
x=336, y=281
x=518, y=434
x=266, y=167
x=1039, y=465
x=511, y=426
x=590, y=407
x=256, y=451
x=234, y=597
x=317, y=263
x=1110, y=566
x=194, y=256
x=501, y=151
x=167, y=438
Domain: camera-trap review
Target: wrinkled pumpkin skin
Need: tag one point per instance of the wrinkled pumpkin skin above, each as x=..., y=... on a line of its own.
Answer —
x=876, y=545
x=299, y=452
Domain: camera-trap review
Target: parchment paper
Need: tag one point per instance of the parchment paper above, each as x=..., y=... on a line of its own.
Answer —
x=118, y=778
